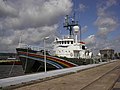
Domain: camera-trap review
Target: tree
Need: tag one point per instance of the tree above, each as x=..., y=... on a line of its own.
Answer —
x=116, y=56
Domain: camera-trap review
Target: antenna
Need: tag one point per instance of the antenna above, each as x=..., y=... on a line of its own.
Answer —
x=66, y=22
x=74, y=10
x=20, y=40
x=69, y=23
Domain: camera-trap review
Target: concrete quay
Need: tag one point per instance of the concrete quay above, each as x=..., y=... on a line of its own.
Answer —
x=103, y=77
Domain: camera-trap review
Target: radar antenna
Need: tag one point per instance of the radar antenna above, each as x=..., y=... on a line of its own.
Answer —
x=69, y=23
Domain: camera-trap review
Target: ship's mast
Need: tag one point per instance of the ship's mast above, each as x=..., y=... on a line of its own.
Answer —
x=69, y=23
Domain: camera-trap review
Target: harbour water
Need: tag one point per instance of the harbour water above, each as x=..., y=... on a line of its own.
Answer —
x=5, y=71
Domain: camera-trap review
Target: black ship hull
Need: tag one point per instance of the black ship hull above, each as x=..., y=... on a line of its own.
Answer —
x=33, y=61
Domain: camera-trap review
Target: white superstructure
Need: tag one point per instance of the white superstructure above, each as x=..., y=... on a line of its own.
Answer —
x=70, y=47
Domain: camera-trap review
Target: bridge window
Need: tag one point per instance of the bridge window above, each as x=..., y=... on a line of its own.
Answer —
x=67, y=42
x=60, y=42
x=83, y=47
x=76, y=54
x=71, y=42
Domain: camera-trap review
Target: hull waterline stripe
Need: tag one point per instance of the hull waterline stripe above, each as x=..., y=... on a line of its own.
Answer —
x=50, y=58
x=50, y=62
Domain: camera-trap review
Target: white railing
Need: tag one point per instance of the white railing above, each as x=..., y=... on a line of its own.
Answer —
x=33, y=47
x=26, y=46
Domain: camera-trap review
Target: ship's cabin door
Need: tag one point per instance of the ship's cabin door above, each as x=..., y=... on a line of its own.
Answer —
x=76, y=54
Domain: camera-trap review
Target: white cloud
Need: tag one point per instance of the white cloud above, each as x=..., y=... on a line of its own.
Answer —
x=34, y=18
x=105, y=18
x=91, y=43
x=90, y=39
x=104, y=6
x=82, y=7
x=34, y=35
x=95, y=43
x=84, y=29
x=35, y=15
x=7, y=10
x=111, y=3
x=106, y=23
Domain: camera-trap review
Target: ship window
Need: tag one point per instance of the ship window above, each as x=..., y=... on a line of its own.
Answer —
x=76, y=54
x=83, y=47
x=71, y=42
x=62, y=42
x=58, y=42
x=65, y=42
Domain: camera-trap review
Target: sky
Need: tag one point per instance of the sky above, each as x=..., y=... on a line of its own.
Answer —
x=32, y=20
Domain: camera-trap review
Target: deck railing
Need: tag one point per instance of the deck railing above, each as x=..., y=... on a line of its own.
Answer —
x=26, y=46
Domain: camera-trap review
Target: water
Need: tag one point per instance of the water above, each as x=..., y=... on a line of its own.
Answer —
x=5, y=70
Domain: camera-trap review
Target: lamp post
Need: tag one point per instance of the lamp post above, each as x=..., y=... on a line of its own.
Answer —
x=45, y=52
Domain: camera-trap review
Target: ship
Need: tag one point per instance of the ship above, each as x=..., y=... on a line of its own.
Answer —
x=67, y=52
